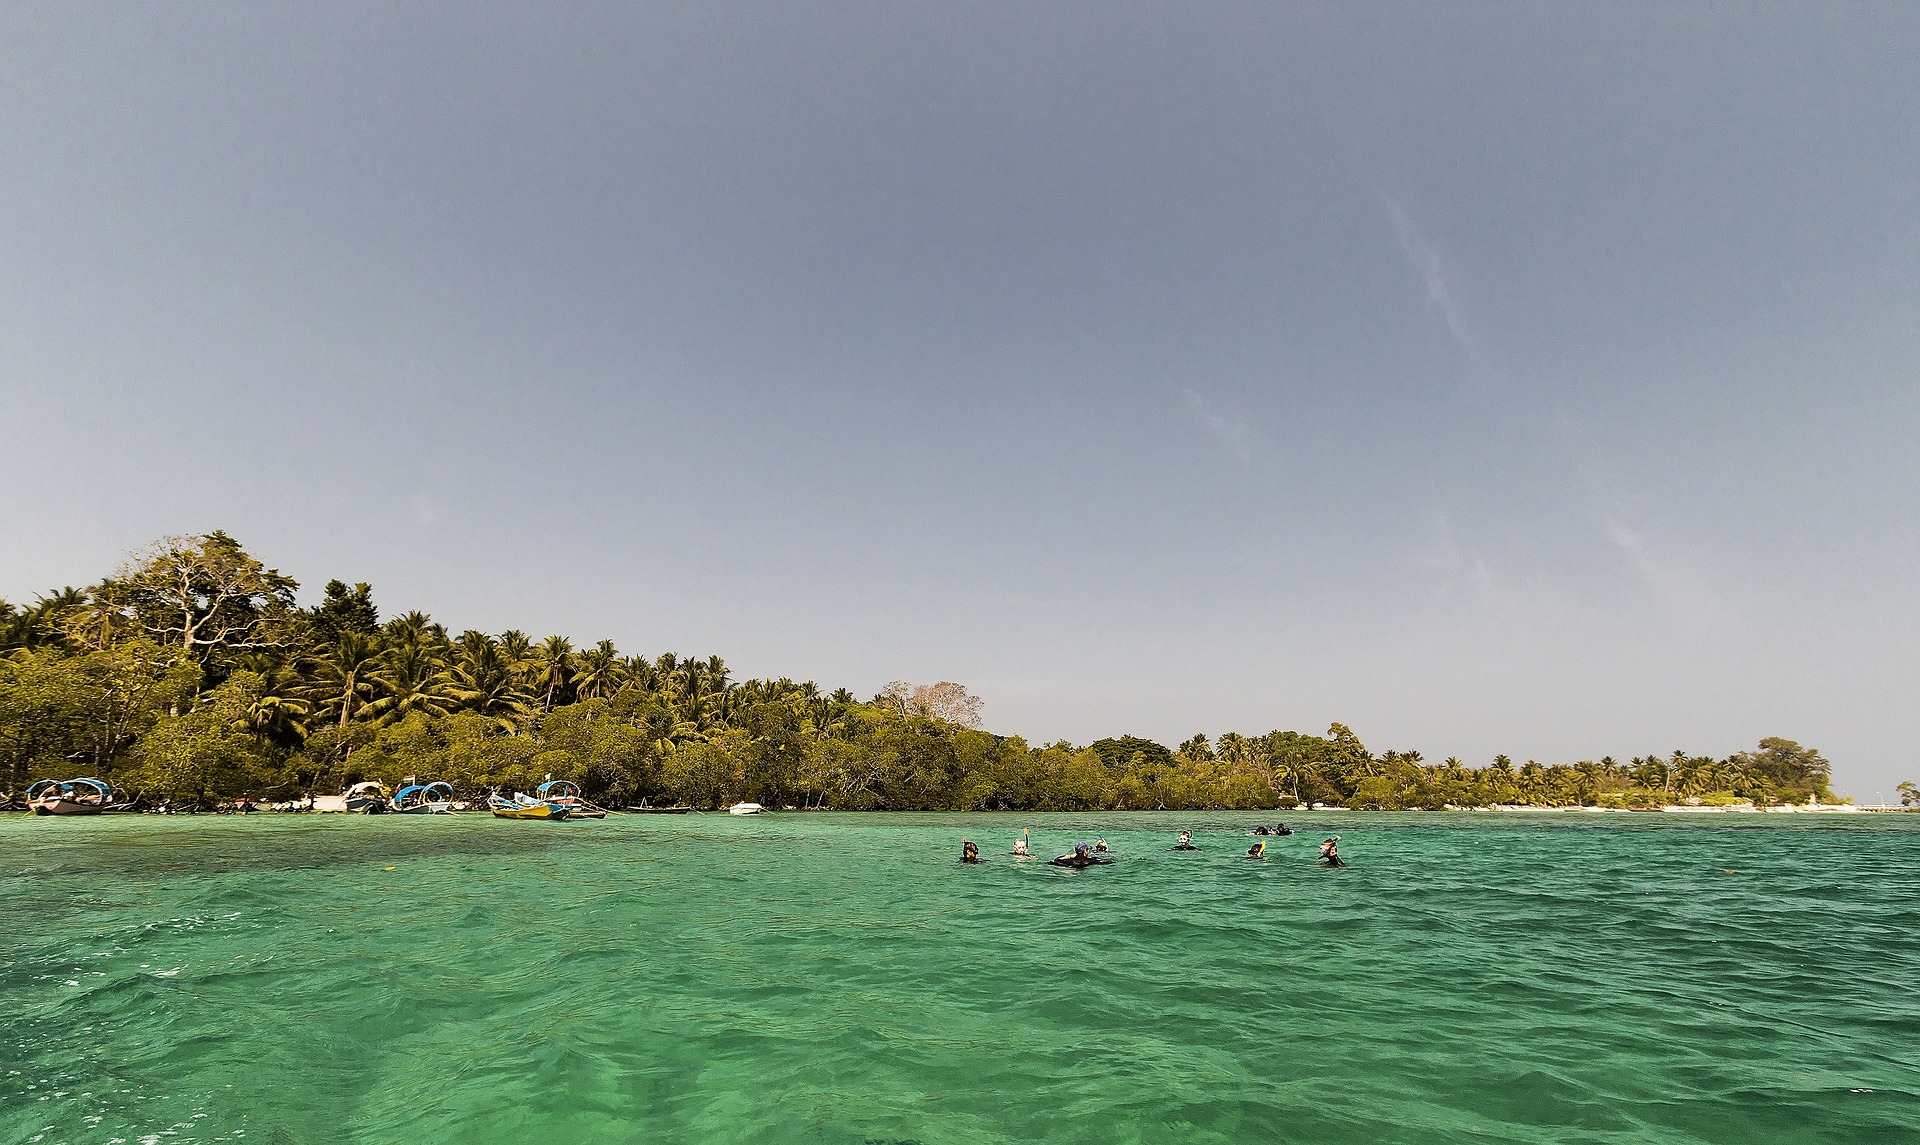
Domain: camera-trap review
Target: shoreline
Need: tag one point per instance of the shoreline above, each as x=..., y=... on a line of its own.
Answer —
x=1491, y=809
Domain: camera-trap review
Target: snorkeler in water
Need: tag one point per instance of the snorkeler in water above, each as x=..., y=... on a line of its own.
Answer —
x=1330, y=853
x=1257, y=851
x=1081, y=858
x=1100, y=846
x=969, y=853
x=1186, y=842
x=1020, y=846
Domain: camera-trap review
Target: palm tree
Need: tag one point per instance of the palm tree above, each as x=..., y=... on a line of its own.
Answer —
x=278, y=719
x=600, y=672
x=344, y=674
x=554, y=657
x=414, y=627
x=640, y=673
x=411, y=678
x=483, y=681
x=515, y=646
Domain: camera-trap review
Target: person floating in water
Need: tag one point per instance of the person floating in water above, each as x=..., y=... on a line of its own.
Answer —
x=1282, y=829
x=969, y=853
x=1330, y=853
x=1257, y=851
x=1020, y=846
x=1100, y=847
x=1186, y=842
x=1080, y=858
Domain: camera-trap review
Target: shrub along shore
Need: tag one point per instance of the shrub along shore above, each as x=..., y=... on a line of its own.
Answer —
x=191, y=677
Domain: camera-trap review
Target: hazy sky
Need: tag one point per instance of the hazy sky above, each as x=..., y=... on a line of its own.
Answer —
x=1527, y=378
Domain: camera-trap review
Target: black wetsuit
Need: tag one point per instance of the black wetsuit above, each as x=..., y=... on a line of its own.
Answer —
x=1185, y=847
x=1079, y=862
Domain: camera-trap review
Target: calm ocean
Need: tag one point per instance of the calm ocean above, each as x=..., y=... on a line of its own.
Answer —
x=842, y=979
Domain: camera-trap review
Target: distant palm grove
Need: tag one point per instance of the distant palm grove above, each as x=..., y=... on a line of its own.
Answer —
x=191, y=677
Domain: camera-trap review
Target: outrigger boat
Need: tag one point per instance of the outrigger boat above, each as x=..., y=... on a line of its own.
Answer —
x=369, y=797
x=526, y=807
x=566, y=793
x=434, y=798
x=69, y=796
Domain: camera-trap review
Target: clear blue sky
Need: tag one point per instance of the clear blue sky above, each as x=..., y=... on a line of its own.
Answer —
x=1520, y=378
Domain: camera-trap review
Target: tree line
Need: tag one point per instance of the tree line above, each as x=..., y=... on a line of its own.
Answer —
x=192, y=676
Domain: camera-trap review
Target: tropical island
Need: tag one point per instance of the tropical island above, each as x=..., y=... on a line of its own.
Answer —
x=191, y=677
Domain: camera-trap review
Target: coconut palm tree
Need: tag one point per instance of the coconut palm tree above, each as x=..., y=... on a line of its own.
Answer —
x=553, y=659
x=343, y=676
x=410, y=678
x=515, y=646
x=600, y=672
x=483, y=681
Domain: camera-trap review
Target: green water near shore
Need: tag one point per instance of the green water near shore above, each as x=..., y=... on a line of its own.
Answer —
x=841, y=979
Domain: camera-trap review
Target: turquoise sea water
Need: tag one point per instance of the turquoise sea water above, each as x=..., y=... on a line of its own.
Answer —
x=842, y=979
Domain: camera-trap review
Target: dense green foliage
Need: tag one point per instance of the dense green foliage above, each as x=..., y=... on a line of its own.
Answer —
x=191, y=676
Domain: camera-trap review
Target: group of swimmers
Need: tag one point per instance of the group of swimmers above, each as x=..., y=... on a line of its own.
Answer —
x=1098, y=853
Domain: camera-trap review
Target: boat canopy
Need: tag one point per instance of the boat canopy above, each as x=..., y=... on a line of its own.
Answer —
x=367, y=787
x=560, y=789
x=438, y=785
x=401, y=795
x=68, y=787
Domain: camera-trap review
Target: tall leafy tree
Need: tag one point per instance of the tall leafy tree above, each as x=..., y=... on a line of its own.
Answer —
x=205, y=596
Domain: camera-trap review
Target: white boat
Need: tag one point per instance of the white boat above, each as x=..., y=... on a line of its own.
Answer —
x=745, y=809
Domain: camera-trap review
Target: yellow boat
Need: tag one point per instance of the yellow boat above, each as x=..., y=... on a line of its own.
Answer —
x=532, y=809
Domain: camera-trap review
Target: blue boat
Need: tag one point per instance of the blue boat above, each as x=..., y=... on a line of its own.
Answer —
x=84, y=796
x=434, y=798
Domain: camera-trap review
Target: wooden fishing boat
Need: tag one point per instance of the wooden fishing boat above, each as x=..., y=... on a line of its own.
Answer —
x=69, y=796
x=434, y=798
x=369, y=798
x=565, y=793
x=521, y=807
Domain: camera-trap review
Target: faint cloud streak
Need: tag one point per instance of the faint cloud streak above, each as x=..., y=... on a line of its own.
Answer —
x=1674, y=586
x=1230, y=430
x=1425, y=261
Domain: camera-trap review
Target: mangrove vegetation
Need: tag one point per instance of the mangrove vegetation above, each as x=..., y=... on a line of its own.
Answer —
x=192, y=676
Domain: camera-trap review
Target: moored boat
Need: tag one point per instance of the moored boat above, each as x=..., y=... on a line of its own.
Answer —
x=84, y=796
x=745, y=809
x=434, y=798
x=368, y=798
x=523, y=807
x=566, y=793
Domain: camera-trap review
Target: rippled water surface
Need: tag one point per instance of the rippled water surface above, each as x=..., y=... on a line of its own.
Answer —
x=841, y=979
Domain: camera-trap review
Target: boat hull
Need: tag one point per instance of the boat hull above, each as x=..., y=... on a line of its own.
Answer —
x=67, y=807
x=543, y=811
